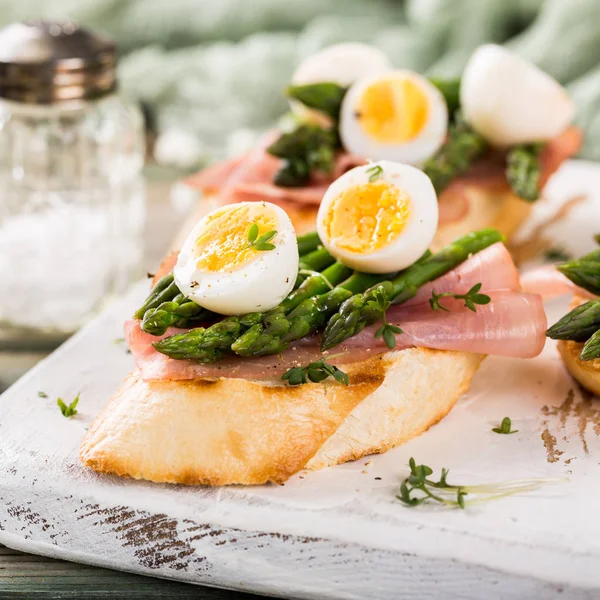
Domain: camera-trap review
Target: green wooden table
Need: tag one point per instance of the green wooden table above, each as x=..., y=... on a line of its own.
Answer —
x=29, y=576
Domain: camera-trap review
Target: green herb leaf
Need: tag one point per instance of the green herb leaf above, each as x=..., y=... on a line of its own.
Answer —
x=316, y=372
x=471, y=298
x=381, y=304
x=42, y=394
x=261, y=244
x=253, y=233
x=597, y=238
x=389, y=338
x=418, y=488
x=68, y=410
x=505, y=427
x=264, y=247
x=375, y=173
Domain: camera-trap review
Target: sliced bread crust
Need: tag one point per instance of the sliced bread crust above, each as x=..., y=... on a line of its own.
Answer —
x=234, y=431
x=586, y=372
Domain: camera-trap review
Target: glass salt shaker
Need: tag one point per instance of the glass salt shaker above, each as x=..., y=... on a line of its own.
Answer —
x=72, y=202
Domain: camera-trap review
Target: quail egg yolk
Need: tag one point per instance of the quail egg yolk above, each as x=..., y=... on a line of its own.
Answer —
x=393, y=110
x=367, y=217
x=223, y=245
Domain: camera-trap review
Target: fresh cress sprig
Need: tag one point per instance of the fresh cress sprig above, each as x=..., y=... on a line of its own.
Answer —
x=471, y=298
x=316, y=372
x=505, y=427
x=261, y=243
x=418, y=488
x=375, y=172
x=68, y=410
x=386, y=331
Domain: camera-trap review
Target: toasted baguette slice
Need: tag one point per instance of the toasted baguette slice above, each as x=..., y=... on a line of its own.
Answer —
x=234, y=431
x=488, y=207
x=586, y=372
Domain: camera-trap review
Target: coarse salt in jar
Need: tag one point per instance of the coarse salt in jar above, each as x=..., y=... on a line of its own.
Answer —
x=72, y=201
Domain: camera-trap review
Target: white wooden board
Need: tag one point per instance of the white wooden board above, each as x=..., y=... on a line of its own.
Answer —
x=338, y=533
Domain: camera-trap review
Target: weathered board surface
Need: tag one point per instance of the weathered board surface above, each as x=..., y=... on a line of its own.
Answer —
x=30, y=576
x=338, y=533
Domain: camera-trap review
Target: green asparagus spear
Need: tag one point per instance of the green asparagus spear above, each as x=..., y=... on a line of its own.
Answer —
x=317, y=260
x=458, y=153
x=276, y=333
x=578, y=325
x=308, y=242
x=364, y=309
x=591, y=349
x=314, y=262
x=179, y=312
x=211, y=344
x=523, y=170
x=450, y=89
x=165, y=290
x=326, y=97
x=306, y=149
x=584, y=271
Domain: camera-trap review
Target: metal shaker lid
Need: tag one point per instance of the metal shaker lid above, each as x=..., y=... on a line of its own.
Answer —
x=45, y=62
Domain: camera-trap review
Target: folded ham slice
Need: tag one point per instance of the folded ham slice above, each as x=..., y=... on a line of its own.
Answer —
x=550, y=283
x=156, y=366
x=250, y=177
x=211, y=179
x=257, y=191
x=513, y=324
x=492, y=267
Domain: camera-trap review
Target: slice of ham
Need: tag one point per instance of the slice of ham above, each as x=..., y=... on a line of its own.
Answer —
x=258, y=166
x=556, y=151
x=550, y=283
x=310, y=194
x=513, y=324
x=211, y=179
x=250, y=177
x=256, y=182
x=257, y=191
x=492, y=267
x=155, y=366
x=346, y=161
x=166, y=266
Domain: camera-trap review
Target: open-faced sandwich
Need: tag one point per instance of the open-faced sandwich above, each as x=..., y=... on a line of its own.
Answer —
x=578, y=332
x=488, y=142
x=260, y=353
